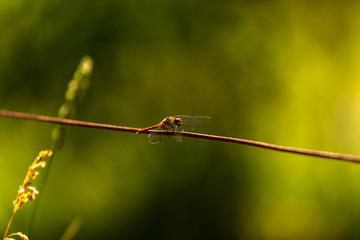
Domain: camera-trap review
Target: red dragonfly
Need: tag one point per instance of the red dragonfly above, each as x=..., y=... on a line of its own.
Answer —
x=174, y=124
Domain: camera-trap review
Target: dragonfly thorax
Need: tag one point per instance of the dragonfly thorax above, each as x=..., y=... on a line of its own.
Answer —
x=172, y=122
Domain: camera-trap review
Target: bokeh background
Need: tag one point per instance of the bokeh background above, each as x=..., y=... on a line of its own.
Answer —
x=285, y=72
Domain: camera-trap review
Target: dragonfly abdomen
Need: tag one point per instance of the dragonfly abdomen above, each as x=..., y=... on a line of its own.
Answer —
x=148, y=128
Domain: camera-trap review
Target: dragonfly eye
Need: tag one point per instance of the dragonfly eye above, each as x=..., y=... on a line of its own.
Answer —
x=178, y=121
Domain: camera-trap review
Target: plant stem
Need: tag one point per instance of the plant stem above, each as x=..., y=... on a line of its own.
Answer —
x=315, y=153
x=9, y=223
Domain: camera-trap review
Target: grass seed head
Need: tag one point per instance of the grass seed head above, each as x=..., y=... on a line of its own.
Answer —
x=26, y=192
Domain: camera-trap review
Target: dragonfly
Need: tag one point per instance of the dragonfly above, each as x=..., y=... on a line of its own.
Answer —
x=173, y=124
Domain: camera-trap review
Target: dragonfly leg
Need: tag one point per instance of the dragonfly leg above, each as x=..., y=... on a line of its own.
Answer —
x=172, y=135
x=168, y=135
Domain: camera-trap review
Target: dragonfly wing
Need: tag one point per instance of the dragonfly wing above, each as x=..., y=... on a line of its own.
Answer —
x=194, y=121
x=176, y=136
x=154, y=138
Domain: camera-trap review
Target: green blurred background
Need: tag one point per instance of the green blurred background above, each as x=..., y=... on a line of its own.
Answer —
x=285, y=72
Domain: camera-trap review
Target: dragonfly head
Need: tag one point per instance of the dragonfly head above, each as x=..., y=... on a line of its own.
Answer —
x=177, y=121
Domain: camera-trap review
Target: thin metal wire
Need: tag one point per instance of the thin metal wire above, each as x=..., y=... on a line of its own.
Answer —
x=63, y=121
x=315, y=153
